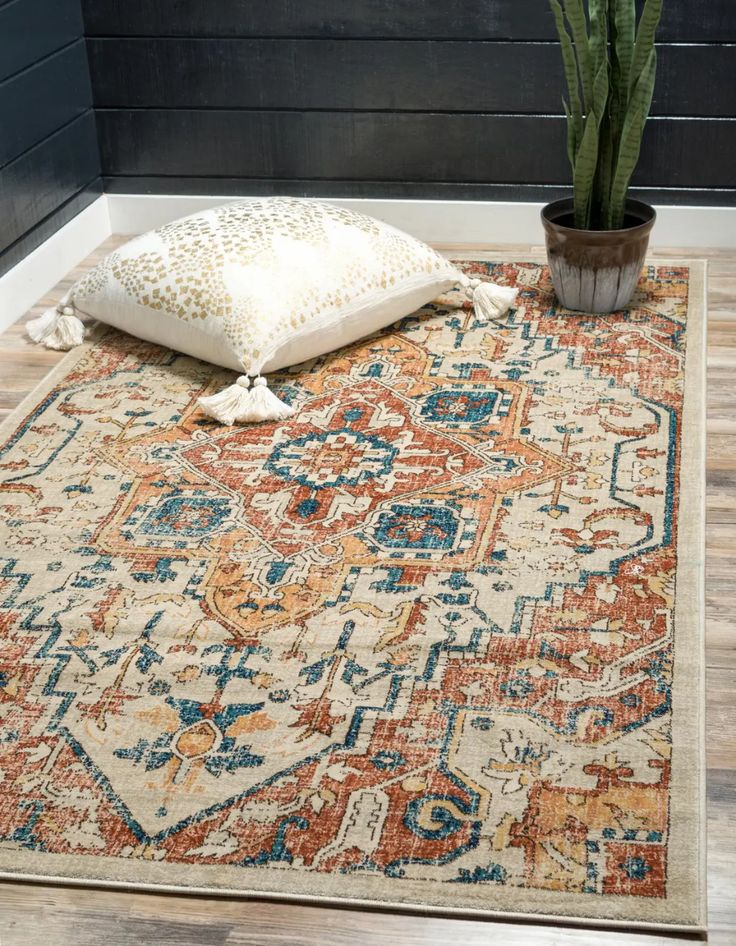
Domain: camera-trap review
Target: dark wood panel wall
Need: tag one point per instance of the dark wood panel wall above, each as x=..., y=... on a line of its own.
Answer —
x=49, y=154
x=385, y=98
x=684, y=20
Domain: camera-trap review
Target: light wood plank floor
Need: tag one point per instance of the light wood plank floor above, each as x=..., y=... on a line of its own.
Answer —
x=31, y=914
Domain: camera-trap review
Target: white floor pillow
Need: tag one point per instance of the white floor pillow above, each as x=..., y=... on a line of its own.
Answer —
x=258, y=285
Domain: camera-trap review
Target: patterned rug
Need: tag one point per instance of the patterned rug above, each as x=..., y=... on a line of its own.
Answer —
x=432, y=642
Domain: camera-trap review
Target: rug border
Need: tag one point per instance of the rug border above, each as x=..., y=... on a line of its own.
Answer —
x=93, y=335
x=689, y=784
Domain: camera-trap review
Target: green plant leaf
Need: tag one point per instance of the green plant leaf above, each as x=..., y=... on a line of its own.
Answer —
x=623, y=49
x=598, y=32
x=602, y=187
x=600, y=112
x=584, y=173
x=574, y=112
x=586, y=165
x=600, y=91
x=645, y=34
x=623, y=23
x=631, y=136
x=572, y=139
x=579, y=26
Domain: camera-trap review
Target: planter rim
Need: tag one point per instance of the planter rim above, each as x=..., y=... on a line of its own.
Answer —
x=566, y=204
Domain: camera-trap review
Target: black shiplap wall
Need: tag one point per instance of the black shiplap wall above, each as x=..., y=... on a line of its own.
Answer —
x=416, y=98
x=49, y=155
x=423, y=98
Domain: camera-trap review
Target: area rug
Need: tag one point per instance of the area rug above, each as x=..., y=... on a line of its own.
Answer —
x=434, y=642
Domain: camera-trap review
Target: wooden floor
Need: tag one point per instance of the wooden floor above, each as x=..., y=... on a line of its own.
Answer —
x=33, y=914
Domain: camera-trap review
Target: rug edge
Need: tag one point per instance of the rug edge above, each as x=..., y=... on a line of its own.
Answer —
x=354, y=903
x=60, y=369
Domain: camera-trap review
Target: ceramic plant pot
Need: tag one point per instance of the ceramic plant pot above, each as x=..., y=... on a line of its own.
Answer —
x=596, y=270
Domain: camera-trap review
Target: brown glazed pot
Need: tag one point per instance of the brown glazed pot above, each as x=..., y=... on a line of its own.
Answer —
x=596, y=270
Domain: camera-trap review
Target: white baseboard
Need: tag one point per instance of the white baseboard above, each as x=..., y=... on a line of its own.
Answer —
x=444, y=221
x=30, y=280
x=436, y=221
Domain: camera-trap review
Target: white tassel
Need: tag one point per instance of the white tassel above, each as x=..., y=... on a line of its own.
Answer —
x=238, y=405
x=492, y=301
x=264, y=405
x=57, y=328
x=227, y=406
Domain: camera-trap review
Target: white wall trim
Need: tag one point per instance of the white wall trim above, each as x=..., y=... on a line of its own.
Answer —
x=444, y=221
x=436, y=221
x=27, y=282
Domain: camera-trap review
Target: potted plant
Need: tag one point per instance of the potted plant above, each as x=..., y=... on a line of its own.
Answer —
x=597, y=240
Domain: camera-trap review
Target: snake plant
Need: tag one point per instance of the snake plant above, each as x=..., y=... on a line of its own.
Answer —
x=610, y=64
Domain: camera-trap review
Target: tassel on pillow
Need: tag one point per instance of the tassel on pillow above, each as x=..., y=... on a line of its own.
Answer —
x=490, y=300
x=239, y=405
x=57, y=328
x=228, y=405
x=264, y=405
